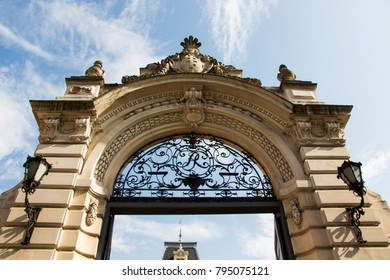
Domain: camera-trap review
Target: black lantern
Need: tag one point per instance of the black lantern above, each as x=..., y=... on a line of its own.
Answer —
x=35, y=169
x=350, y=172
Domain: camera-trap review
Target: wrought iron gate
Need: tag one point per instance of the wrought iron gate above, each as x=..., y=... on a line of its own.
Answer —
x=193, y=175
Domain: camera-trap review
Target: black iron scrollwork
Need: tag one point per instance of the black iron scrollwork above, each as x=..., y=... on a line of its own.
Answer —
x=192, y=167
x=354, y=216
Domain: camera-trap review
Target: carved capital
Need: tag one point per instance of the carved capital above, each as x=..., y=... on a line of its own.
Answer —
x=303, y=129
x=48, y=128
x=335, y=131
x=82, y=129
x=65, y=129
x=323, y=131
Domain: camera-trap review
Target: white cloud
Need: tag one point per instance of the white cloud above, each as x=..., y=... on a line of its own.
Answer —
x=377, y=163
x=233, y=22
x=130, y=228
x=15, y=122
x=76, y=34
x=18, y=84
x=23, y=43
x=80, y=33
x=259, y=241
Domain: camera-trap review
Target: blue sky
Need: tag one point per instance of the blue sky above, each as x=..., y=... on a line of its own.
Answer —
x=344, y=46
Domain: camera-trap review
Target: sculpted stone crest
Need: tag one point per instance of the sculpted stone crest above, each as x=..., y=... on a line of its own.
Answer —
x=190, y=60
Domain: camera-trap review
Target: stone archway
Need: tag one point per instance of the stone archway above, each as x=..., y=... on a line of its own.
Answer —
x=90, y=132
x=193, y=174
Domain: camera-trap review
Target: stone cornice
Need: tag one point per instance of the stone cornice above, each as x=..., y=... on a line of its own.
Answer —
x=319, y=124
x=64, y=121
x=62, y=105
x=322, y=109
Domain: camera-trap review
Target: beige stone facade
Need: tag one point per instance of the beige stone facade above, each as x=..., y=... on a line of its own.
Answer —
x=88, y=134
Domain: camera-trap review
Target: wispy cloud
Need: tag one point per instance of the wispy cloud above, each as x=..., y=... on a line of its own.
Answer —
x=79, y=33
x=69, y=36
x=233, y=22
x=10, y=36
x=377, y=163
x=15, y=122
x=256, y=242
x=128, y=228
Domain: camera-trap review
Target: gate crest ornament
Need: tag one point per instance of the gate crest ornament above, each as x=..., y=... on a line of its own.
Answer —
x=189, y=60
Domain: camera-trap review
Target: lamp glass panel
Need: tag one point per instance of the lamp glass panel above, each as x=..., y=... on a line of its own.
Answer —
x=357, y=172
x=349, y=173
x=42, y=170
x=32, y=167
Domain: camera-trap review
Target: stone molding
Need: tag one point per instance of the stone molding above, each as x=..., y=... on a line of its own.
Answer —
x=210, y=99
x=171, y=97
x=120, y=141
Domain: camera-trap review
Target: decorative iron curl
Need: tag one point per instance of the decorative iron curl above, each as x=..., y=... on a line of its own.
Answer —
x=192, y=167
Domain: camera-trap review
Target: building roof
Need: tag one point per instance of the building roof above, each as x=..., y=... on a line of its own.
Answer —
x=176, y=248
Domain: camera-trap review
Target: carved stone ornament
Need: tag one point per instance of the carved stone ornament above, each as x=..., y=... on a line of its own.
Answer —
x=92, y=212
x=285, y=74
x=296, y=213
x=48, y=128
x=180, y=254
x=190, y=60
x=65, y=129
x=96, y=69
x=82, y=129
x=304, y=128
x=319, y=131
x=193, y=113
x=335, y=132
x=80, y=90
